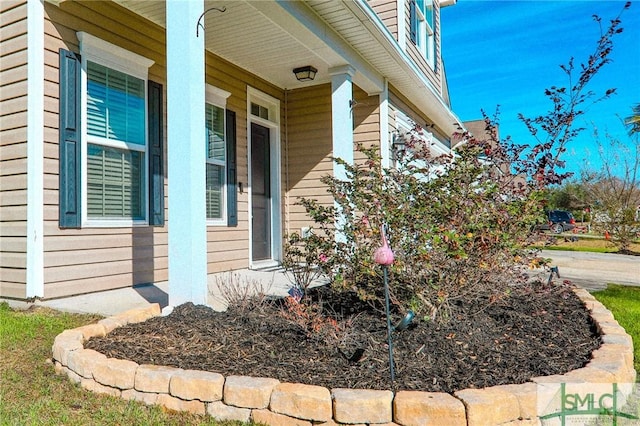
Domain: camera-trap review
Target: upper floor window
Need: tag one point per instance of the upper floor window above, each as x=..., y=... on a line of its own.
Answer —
x=423, y=27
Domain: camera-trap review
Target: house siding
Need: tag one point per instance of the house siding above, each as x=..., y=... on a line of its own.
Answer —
x=13, y=149
x=366, y=115
x=308, y=150
x=388, y=13
x=96, y=259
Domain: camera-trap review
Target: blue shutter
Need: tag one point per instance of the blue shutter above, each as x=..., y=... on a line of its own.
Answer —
x=156, y=155
x=69, y=141
x=232, y=194
x=413, y=20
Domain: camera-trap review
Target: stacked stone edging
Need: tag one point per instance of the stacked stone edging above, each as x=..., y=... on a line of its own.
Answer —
x=266, y=400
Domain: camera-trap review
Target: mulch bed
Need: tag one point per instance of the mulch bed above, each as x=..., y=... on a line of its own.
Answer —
x=534, y=332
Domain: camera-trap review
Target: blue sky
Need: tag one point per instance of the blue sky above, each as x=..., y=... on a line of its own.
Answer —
x=508, y=52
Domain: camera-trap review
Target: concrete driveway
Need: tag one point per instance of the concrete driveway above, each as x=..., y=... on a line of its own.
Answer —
x=594, y=271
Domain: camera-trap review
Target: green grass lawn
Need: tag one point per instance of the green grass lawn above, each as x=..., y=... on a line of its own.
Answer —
x=32, y=394
x=624, y=303
x=596, y=245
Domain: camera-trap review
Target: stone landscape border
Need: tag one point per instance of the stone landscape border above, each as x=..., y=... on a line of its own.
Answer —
x=267, y=400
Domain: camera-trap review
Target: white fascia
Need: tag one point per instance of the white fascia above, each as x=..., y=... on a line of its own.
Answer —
x=447, y=3
x=35, y=149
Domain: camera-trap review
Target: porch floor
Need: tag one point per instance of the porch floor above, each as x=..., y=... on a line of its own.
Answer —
x=272, y=281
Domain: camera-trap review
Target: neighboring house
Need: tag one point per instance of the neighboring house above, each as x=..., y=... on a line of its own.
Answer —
x=478, y=129
x=146, y=141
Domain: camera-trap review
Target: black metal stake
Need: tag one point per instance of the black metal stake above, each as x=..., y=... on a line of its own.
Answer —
x=389, y=328
x=554, y=270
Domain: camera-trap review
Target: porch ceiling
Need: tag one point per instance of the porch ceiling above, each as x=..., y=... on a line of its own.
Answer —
x=275, y=44
x=324, y=33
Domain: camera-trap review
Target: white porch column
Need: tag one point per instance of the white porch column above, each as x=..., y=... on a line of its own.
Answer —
x=186, y=154
x=35, y=149
x=341, y=116
x=342, y=123
x=385, y=143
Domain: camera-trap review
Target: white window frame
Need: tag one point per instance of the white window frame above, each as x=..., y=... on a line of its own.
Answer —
x=103, y=53
x=218, y=98
x=426, y=34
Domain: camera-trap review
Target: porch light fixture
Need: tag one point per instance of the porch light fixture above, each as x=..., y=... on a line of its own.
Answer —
x=306, y=73
x=398, y=142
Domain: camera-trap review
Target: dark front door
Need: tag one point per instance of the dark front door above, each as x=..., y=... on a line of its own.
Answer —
x=260, y=193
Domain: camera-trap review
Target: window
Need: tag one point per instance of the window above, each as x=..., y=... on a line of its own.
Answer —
x=111, y=142
x=216, y=162
x=116, y=144
x=217, y=172
x=115, y=183
x=259, y=111
x=114, y=134
x=423, y=27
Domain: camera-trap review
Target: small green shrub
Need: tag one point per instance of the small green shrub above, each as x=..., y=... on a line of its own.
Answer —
x=459, y=224
x=458, y=229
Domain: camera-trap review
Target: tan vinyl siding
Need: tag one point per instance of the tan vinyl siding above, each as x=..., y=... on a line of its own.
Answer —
x=308, y=151
x=388, y=13
x=309, y=147
x=13, y=149
x=9, y=6
x=366, y=116
x=434, y=76
x=92, y=283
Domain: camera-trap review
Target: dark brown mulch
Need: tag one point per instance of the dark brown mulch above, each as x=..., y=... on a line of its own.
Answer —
x=531, y=333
